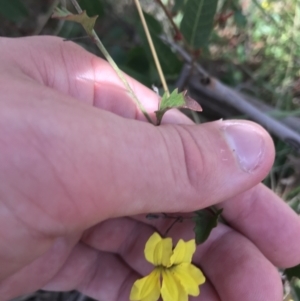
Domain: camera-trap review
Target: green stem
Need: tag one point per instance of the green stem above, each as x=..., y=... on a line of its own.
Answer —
x=120, y=74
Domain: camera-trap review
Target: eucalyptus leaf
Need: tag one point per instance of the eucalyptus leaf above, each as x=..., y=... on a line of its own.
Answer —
x=198, y=21
x=205, y=221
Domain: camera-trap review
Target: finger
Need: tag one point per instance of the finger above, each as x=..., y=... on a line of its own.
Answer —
x=68, y=68
x=119, y=236
x=234, y=266
x=97, y=274
x=136, y=168
x=103, y=276
x=36, y=273
x=240, y=271
x=269, y=222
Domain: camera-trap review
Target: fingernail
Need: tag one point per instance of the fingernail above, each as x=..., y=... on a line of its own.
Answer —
x=246, y=143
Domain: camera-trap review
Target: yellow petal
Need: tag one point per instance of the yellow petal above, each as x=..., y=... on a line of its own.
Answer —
x=183, y=252
x=190, y=277
x=158, y=250
x=171, y=289
x=147, y=288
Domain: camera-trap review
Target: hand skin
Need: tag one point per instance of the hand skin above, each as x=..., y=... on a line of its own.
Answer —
x=80, y=169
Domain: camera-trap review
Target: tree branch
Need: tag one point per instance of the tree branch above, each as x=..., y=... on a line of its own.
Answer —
x=219, y=94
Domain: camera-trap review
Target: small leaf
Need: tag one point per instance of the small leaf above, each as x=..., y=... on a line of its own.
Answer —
x=87, y=22
x=197, y=22
x=205, y=221
x=175, y=100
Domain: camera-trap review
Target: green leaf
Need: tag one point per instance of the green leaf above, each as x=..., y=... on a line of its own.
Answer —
x=205, y=221
x=82, y=18
x=175, y=100
x=13, y=10
x=198, y=21
x=293, y=272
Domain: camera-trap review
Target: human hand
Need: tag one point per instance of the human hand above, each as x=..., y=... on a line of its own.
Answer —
x=79, y=171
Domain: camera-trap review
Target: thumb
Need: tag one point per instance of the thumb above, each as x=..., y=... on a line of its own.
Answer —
x=84, y=164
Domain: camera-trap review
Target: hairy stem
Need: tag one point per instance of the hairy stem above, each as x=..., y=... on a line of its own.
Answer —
x=120, y=74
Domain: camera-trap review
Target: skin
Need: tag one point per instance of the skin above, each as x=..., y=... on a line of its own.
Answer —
x=80, y=168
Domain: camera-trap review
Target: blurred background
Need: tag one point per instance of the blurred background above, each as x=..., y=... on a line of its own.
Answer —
x=244, y=62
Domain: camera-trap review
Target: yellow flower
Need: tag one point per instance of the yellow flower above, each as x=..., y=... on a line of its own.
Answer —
x=180, y=277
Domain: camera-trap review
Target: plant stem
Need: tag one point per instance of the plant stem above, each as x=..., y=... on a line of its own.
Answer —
x=155, y=57
x=120, y=74
x=170, y=18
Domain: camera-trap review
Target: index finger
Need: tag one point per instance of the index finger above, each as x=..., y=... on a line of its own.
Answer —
x=68, y=68
x=268, y=221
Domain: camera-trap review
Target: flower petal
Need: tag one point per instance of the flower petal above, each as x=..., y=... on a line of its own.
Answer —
x=158, y=250
x=190, y=277
x=171, y=289
x=147, y=288
x=183, y=252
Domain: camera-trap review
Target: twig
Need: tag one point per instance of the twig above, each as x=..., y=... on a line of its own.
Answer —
x=222, y=94
x=219, y=94
x=120, y=74
x=154, y=54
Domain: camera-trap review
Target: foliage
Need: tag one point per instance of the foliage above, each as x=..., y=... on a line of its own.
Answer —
x=197, y=21
x=205, y=220
x=175, y=100
x=252, y=46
